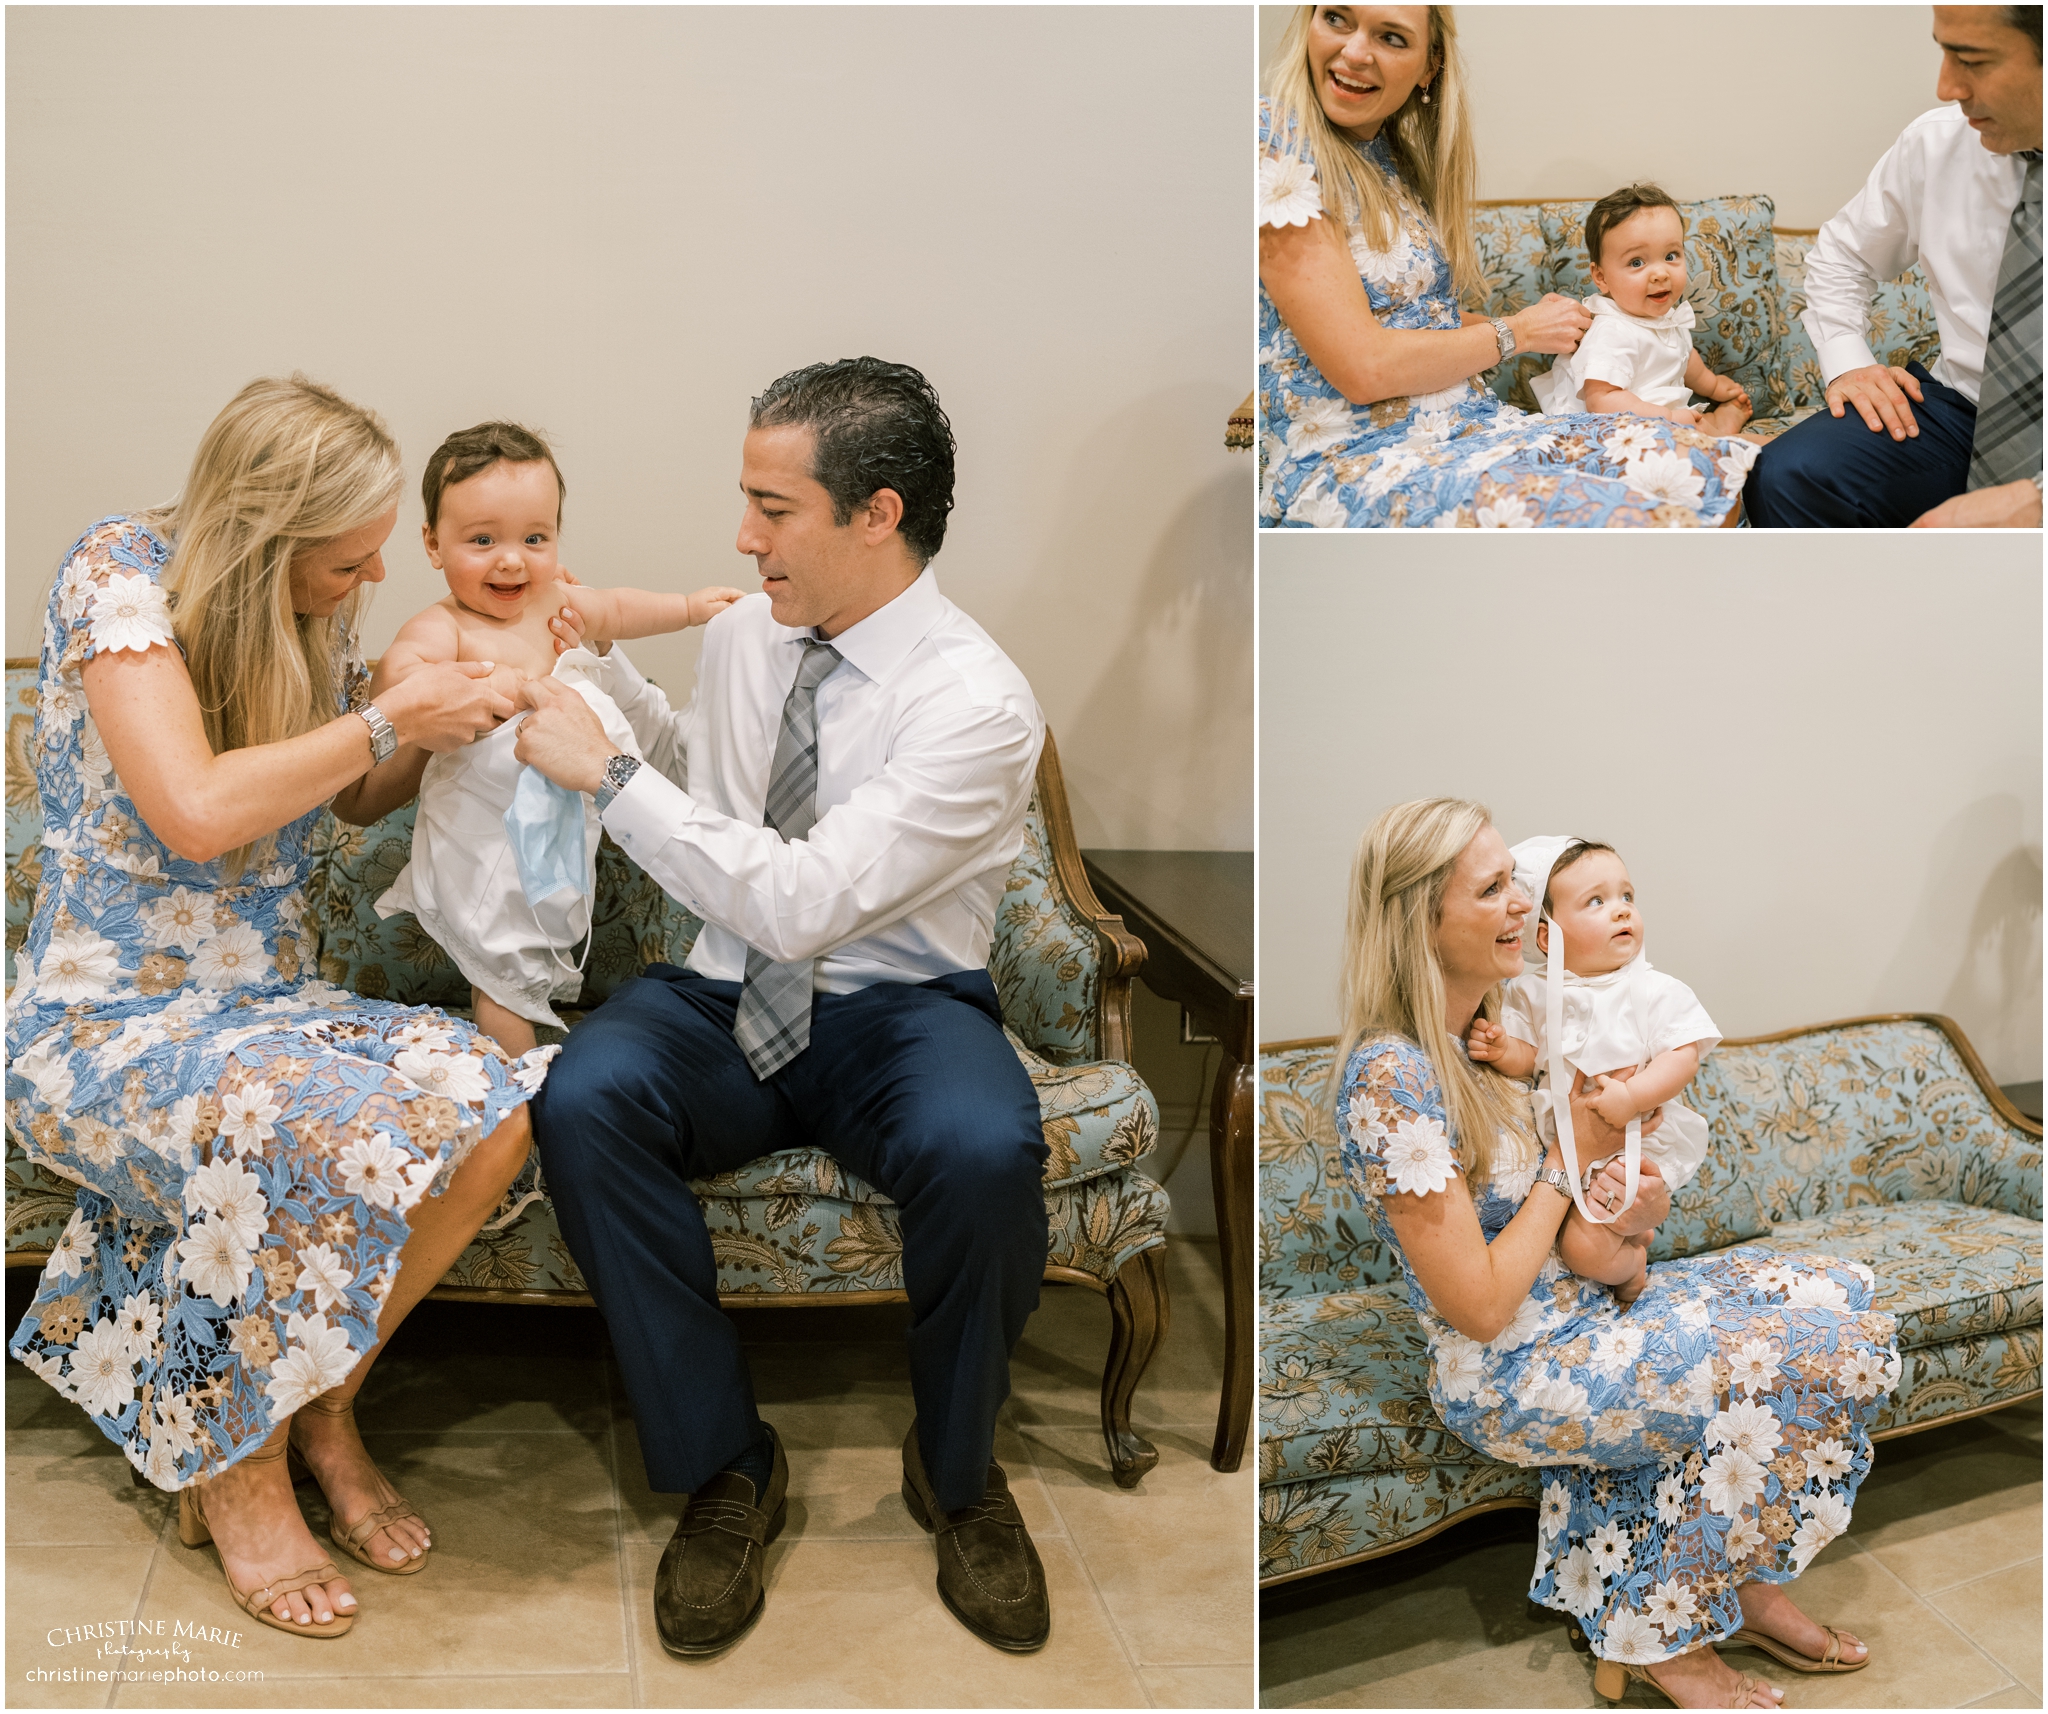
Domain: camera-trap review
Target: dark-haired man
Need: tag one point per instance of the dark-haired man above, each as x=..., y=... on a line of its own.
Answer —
x=840, y=802
x=1957, y=442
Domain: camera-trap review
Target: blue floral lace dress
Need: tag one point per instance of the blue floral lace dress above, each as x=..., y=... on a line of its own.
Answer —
x=1458, y=458
x=247, y=1140
x=1713, y=1433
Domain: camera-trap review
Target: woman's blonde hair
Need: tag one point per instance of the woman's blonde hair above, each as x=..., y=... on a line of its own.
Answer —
x=1392, y=980
x=287, y=466
x=1431, y=143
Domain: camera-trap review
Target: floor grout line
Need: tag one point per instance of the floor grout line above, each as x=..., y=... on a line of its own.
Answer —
x=620, y=1558
x=1123, y=1642
x=1988, y=1659
x=1979, y=1576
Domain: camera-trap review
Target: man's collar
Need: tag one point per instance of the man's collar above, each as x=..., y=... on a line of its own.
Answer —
x=881, y=642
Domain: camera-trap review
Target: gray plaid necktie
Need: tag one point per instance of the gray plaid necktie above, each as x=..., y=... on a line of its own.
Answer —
x=2007, y=444
x=773, y=1024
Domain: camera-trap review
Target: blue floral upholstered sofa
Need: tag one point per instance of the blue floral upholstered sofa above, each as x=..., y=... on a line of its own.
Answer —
x=791, y=1226
x=1881, y=1140
x=1747, y=287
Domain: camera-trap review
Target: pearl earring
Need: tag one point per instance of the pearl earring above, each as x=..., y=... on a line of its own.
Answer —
x=1425, y=95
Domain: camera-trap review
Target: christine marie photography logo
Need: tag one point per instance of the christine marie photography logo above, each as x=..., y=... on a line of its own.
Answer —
x=139, y=1651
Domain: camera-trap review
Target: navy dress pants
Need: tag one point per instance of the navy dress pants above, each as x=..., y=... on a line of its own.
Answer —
x=1838, y=473
x=913, y=1088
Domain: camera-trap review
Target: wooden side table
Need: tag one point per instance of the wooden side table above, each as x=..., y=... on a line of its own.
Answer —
x=1193, y=911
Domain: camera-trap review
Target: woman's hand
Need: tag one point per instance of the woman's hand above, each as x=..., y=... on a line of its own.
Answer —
x=567, y=625
x=445, y=705
x=1553, y=323
x=1646, y=1213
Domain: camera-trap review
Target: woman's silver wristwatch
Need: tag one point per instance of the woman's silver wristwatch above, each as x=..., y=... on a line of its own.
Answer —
x=1559, y=1180
x=617, y=772
x=1504, y=337
x=383, y=740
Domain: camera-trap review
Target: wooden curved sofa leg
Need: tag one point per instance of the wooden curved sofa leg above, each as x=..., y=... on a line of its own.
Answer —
x=1139, y=1313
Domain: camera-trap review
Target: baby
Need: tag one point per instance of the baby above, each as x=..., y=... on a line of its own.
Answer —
x=1633, y=1033
x=1638, y=356
x=494, y=510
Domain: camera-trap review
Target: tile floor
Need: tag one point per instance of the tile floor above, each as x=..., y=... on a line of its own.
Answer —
x=1940, y=1574
x=509, y=1429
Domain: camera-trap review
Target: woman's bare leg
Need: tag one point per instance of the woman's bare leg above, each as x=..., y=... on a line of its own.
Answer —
x=262, y=1536
x=1769, y=1607
x=1702, y=1679
x=442, y=1227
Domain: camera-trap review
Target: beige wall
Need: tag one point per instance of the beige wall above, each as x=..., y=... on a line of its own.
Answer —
x=617, y=224
x=1796, y=102
x=1824, y=773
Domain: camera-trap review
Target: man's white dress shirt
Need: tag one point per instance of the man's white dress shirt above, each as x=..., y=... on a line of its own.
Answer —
x=1938, y=197
x=928, y=741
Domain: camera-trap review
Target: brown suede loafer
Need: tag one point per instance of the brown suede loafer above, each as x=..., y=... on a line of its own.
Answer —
x=989, y=1574
x=707, y=1593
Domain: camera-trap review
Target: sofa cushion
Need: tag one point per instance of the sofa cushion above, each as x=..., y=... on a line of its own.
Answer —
x=1515, y=271
x=1843, y=1118
x=1344, y=1387
x=1902, y=328
x=1945, y=1270
x=1313, y=1237
x=1734, y=287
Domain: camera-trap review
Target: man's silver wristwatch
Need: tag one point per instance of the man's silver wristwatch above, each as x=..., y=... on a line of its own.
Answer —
x=617, y=772
x=383, y=741
x=1504, y=337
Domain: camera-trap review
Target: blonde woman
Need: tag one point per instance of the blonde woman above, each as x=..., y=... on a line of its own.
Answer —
x=1371, y=407
x=271, y=1171
x=1700, y=1446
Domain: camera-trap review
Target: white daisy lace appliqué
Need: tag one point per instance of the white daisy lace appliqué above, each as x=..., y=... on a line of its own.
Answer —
x=1418, y=1157
x=1288, y=192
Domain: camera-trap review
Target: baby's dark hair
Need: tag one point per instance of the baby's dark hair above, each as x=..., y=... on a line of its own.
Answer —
x=1615, y=207
x=472, y=451
x=1565, y=859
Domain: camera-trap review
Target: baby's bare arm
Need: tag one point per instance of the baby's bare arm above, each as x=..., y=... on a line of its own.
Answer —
x=610, y=613
x=1662, y=1079
x=1515, y=1057
x=423, y=640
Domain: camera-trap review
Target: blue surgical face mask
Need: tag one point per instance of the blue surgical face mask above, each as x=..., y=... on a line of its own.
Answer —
x=545, y=825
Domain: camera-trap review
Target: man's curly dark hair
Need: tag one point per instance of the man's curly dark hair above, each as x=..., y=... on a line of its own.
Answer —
x=875, y=425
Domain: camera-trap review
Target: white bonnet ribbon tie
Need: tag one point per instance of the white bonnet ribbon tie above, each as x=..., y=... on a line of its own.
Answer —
x=1560, y=1092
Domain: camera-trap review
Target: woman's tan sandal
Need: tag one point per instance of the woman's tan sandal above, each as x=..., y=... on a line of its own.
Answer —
x=194, y=1531
x=1611, y=1679
x=1830, y=1661
x=354, y=1539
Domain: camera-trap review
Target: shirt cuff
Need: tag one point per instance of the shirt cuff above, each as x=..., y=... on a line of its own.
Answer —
x=643, y=819
x=1843, y=352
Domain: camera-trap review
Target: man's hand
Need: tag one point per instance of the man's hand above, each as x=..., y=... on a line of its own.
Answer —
x=563, y=737
x=1879, y=395
x=2009, y=506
